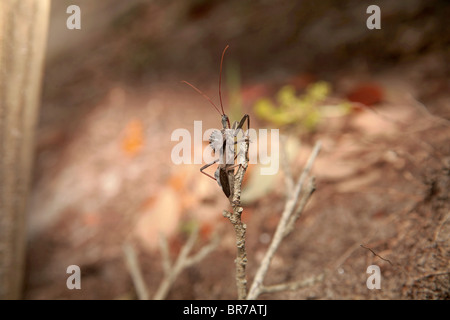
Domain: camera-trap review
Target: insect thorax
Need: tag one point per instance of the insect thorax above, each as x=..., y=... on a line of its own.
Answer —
x=222, y=142
x=216, y=140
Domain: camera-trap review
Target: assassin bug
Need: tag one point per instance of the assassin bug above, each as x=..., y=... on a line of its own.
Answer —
x=223, y=141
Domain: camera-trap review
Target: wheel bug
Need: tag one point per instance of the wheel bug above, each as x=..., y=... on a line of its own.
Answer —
x=223, y=141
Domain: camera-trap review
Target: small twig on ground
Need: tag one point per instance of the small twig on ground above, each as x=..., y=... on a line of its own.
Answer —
x=288, y=218
x=292, y=286
x=376, y=254
x=135, y=271
x=350, y=250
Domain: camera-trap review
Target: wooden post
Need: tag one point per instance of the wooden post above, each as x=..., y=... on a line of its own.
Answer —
x=23, y=39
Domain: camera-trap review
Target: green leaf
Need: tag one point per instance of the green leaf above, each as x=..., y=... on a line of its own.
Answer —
x=264, y=109
x=318, y=91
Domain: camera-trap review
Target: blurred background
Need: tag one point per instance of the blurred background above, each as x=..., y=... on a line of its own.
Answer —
x=378, y=100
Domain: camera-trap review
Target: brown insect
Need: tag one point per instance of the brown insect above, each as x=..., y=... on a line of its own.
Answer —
x=222, y=142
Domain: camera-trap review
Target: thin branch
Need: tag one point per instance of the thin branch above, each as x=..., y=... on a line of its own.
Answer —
x=350, y=250
x=307, y=169
x=288, y=177
x=164, y=248
x=307, y=195
x=176, y=268
x=289, y=209
x=303, y=201
x=182, y=262
x=135, y=271
x=186, y=249
x=199, y=256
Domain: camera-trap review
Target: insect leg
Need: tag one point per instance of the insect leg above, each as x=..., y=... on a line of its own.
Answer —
x=207, y=166
x=241, y=123
x=246, y=136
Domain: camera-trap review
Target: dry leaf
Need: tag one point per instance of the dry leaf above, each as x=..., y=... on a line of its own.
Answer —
x=133, y=138
x=367, y=94
x=157, y=217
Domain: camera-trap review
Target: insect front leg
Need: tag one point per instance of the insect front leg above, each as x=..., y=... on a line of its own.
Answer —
x=207, y=166
x=241, y=124
x=238, y=127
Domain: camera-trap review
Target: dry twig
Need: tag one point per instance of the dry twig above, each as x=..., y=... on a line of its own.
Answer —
x=376, y=254
x=290, y=214
x=288, y=178
x=292, y=286
x=235, y=219
x=171, y=271
x=135, y=271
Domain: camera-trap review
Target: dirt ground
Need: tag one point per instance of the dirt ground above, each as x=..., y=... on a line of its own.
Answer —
x=104, y=177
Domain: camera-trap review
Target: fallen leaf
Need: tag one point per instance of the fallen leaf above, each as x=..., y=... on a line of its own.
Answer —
x=367, y=94
x=133, y=137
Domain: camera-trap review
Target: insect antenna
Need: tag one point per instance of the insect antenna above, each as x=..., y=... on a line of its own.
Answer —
x=220, y=78
x=204, y=96
x=220, y=91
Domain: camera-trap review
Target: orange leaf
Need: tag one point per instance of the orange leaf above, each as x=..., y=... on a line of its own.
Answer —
x=133, y=138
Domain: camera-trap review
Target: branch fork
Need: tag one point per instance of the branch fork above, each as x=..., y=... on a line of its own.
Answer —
x=296, y=201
